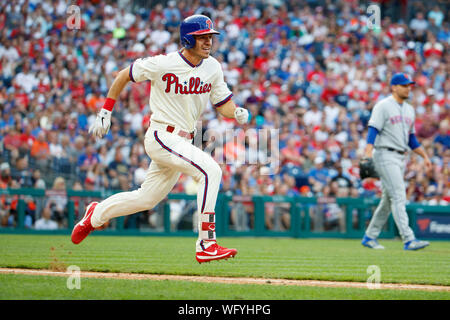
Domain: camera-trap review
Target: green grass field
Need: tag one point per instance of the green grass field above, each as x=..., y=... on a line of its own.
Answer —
x=319, y=259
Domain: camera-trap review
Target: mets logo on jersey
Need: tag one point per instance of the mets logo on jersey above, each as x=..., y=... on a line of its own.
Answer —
x=194, y=86
x=400, y=119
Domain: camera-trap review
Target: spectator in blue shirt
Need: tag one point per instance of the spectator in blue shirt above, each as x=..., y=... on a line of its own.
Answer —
x=87, y=160
x=443, y=137
x=319, y=176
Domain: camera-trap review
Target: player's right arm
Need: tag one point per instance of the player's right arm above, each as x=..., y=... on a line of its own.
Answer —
x=121, y=80
x=141, y=69
x=376, y=122
x=102, y=123
x=371, y=135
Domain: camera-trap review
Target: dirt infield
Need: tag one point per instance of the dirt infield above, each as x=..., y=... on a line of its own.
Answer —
x=228, y=280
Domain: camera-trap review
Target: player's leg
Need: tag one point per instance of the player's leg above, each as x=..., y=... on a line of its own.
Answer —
x=158, y=182
x=380, y=215
x=391, y=170
x=410, y=241
x=192, y=161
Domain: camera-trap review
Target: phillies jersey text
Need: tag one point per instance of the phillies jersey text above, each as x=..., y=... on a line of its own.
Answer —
x=180, y=90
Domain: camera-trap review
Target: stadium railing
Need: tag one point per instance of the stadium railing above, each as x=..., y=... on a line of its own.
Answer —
x=254, y=216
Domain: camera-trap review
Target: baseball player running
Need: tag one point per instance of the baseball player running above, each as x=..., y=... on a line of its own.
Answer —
x=391, y=131
x=181, y=84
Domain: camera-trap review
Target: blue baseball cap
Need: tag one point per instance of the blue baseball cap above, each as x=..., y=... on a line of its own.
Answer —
x=401, y=78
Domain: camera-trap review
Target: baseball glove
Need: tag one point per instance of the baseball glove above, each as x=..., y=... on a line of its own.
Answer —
x=367, y=169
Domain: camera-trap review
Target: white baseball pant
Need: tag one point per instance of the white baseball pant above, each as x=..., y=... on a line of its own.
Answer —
x=171, y=155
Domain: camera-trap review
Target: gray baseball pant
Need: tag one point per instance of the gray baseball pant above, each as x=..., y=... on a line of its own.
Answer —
x=391, y=167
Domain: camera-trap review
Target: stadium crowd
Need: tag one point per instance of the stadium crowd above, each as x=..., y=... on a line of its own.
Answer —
x=312, y=69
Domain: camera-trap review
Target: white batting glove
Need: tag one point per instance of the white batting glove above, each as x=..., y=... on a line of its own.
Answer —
x=102, y=123
x=241, y=115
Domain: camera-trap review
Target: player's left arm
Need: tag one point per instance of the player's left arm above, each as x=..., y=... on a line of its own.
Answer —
x=227, y=109
x=221, y=98
x=418, y=149
x=231, y=111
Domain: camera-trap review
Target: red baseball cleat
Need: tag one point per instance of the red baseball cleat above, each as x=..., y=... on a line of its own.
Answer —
x=214, y=252
x=84, y=227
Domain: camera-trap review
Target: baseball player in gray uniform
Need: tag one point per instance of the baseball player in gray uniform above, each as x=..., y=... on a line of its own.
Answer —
x=391, y=133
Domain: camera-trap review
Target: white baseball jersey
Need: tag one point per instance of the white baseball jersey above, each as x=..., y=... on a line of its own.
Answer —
x=394, y=123
x=180, y=90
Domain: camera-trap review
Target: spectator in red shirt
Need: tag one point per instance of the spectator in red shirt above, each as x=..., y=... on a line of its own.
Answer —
x=11, y=141
x=26, y=138
x=291, y=153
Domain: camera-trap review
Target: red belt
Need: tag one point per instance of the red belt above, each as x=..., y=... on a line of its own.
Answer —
x=181, y=133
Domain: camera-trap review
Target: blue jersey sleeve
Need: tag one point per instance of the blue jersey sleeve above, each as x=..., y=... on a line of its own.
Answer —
x=413, y=143
x=371, y=135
